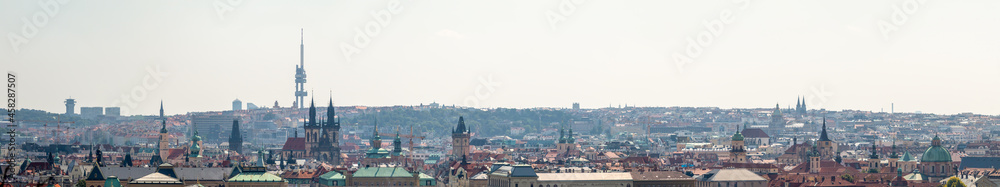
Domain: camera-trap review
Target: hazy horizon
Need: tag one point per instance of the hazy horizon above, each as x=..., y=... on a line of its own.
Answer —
x=201, y=55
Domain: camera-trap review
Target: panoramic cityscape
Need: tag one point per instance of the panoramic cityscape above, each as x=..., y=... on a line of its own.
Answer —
x=560, y=93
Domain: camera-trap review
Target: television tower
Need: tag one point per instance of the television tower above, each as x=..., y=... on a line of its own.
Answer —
x=300, y=73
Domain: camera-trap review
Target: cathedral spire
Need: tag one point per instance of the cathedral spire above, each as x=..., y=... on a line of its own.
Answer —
x=330, y=114
x=236, y=138
x=804, y=104
x=375, y=131
x=376, y=139
x=798, y=103
x=161, y=108
x=461, y=126
x=312, y=113
x=562, y=134
x=823, y=136
x=163, y=120
x=570, y=139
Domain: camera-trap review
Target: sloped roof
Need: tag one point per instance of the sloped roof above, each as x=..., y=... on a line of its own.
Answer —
x=730, y=175
x=175, y=153
x=96, y=174
x=128, y=172
x=256, y=176
x=425, y=177
x=980, y=162
x=516, y=171
x=825, y=168
x=907, y=157
x=659, y=176
x=382, y=172
x=203, y=174
x=294, y=144
x=584, y=177
x=754, y=133
x=333, y=175
x=156, y=178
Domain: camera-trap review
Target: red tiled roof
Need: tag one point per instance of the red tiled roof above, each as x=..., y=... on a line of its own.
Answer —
x=294, y=144
x=826, y=167
x=749, y=165
x=175, y=153
x=301, y=174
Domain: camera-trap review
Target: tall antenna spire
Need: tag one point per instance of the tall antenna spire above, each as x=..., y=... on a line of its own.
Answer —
x=302, y=48
x=300, y=73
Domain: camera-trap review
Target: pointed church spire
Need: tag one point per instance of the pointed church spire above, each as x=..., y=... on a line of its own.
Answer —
x=823, y=136
x=331, y=114
x=163, y=120
x=375, y=131
x=804, y=109
x=461, y=126
x=376, y=139
x=562, y=134
x=312, y=112
x=570, y=139
x=236, y=138
x=397, y=144
x=798, y=103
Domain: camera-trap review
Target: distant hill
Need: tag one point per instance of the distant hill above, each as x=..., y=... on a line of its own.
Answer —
x=40, y=115
x=441, y=122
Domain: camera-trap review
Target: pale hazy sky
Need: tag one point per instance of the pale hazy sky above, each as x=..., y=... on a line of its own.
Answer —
x=931, y=56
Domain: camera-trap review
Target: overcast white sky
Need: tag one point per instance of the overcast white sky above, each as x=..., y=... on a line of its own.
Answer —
x=936, y=56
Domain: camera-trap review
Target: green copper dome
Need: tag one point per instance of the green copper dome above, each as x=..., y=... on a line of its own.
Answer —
x=907, y=157
x=936, y=153
x=738, y=137
x=195, y=151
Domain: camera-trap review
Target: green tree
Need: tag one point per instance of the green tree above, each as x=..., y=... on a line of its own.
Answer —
x=270, y=116
x=847, y=177
x=81, y=183
x=954, y=182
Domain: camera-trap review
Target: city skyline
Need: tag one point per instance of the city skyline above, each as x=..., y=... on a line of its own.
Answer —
x=200, y=56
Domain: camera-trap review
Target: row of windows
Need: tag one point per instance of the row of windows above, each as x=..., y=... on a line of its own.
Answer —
x=381, y=183
x=498, y=183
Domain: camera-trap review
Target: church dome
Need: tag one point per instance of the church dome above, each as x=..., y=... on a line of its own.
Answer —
x=737, y=137
x=195, y=149
x=936, y=153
